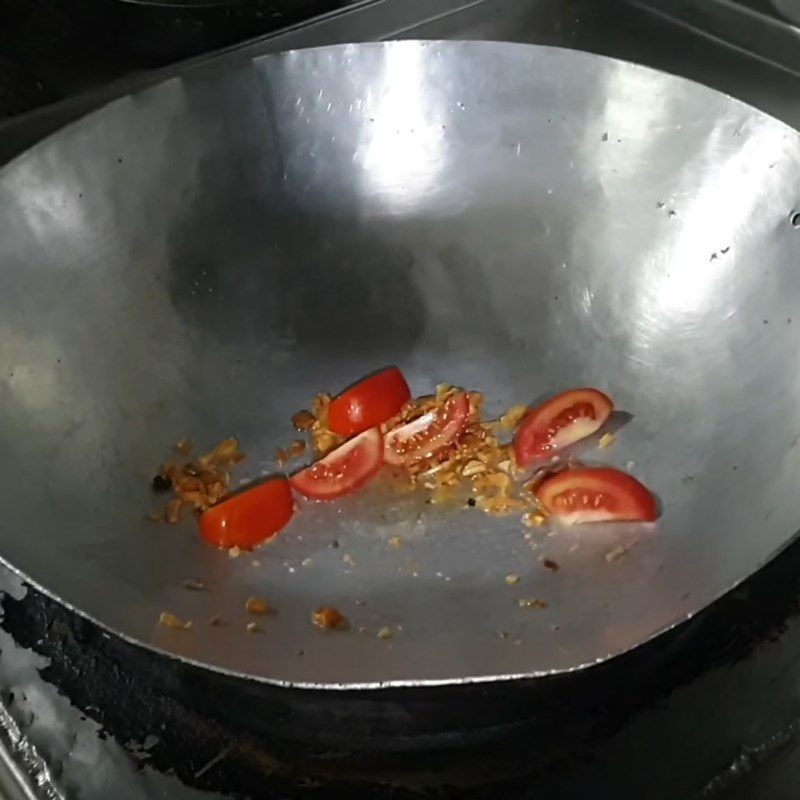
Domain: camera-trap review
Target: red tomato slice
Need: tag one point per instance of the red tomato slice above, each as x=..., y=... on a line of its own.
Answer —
x=249, y=517
x=422, y=437
x=596, y=494
x=561, y=421
x=369, y=402
x=344, y=470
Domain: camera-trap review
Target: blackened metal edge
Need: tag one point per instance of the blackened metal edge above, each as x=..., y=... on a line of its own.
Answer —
x=257, y=730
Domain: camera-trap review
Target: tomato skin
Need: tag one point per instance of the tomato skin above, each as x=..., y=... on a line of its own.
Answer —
x=422, y=437
x=559, y=422
x=596, y=494
x=369, y=402
x=250, y=517
x=343, y=470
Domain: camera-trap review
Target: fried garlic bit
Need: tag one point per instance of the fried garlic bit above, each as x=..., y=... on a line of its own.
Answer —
x=606, y=440
x=171, y=621
x=532, y=603
x=197, y=483
x=257, y=605
x=329, y=618
x=315, y=422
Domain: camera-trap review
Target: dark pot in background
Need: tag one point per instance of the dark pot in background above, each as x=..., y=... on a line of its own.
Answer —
x=161, y=31
x=13, y=11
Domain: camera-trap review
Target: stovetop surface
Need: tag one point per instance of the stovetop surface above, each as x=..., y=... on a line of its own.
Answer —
x=69, y=46
x=717, y=714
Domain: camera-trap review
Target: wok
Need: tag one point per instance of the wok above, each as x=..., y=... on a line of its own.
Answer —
x=199, y=259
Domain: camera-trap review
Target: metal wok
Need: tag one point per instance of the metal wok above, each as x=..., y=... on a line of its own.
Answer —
x=202, y=257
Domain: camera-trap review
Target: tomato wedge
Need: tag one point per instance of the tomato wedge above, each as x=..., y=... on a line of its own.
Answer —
x=561, y=421
x=596, y=494
x=344, y=470
x=249, y=517
x=369, y=402
x=422, y=437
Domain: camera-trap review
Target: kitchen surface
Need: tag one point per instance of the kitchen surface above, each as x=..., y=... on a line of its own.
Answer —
x=709, y=710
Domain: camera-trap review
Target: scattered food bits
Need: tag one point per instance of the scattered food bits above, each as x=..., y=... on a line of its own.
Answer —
x=251, y=627
x=173, y=514
x=296, y=448
x=511, y=418
x=325, y=442
x=194, y=586
x=303, y=420
x=227, y=451
x=171, y=621
x=328, y=617
x=200, y=483
x=257, y=605
x=443, y=391
x=606, y=440
x=500, y=505
x=533, y=519
x=532, y=603
x=493, y=480
x=438, y=442
x=473, y=468
x=616, y=554
x=216, y=621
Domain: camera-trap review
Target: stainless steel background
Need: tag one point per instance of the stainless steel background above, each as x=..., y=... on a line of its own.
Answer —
x=200, y=258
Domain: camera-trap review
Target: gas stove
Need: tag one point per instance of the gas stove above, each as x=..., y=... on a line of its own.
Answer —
x=710, y=710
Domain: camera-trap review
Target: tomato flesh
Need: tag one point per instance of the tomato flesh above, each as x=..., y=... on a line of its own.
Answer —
x=342, y=471
x=250, y=517
x=429, y=433
x=560, y=422
x=596, y=494
x=369, y=402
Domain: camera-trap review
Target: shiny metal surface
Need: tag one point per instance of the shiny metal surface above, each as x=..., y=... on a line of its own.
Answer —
x=200, y=258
